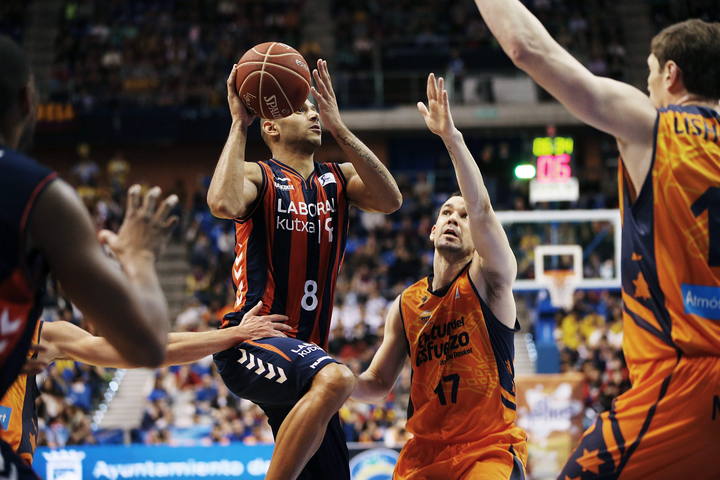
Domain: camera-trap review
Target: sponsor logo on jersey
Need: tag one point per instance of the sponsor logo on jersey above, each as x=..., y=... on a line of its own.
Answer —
x=319, y=361
x=702, y=300
x=309, y=209
x=327, y=178
x=443, y=342
x=311, y=225
x=5, y=414
x=283, y=186
x=305, y=349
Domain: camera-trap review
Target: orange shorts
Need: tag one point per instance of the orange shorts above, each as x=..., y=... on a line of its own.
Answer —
x=666, y=427
x=430, y=460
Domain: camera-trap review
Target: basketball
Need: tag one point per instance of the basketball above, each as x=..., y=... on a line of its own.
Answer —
x=273, y=80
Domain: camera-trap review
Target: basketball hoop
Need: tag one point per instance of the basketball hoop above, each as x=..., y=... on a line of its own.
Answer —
x=561, y=284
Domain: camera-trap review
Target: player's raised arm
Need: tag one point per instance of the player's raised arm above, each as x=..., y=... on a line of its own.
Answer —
x=497, y=265
x=128, y=304
x=375, y=383
x=65, y=340
x=608, y=105
x=370, y=185
x=233, y=188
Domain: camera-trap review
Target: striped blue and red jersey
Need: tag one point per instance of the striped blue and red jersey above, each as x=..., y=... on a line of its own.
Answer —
x=23, y=269
x=290, y=246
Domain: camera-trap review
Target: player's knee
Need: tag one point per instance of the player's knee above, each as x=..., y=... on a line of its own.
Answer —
x=337, y=380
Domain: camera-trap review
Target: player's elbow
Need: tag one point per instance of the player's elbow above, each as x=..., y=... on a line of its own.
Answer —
x=221, y=208
x=372, y=387
x=522, y=54
x=480, y=208
x=393, y=203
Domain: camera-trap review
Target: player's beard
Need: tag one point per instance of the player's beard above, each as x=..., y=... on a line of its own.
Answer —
x=451, y=249
x=306, y=145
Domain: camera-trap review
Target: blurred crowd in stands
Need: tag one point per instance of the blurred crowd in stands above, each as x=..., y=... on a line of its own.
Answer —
x=589, y=337
x=432, y=34
x=190, y=404
x=667, y=12
x=160, y=52
x=178, y=53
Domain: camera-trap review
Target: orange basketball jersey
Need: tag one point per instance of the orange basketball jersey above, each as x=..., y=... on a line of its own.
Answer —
x=463, y=387
x=671, y=242
x=18, y=422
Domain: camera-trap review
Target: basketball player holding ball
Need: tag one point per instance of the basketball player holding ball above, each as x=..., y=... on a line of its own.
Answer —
x=291, y=220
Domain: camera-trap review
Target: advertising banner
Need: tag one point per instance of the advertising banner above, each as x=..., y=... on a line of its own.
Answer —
x=550, y=409
x=236, y=461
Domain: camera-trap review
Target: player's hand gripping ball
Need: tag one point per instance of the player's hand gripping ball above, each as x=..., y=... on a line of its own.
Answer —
x=273, y=80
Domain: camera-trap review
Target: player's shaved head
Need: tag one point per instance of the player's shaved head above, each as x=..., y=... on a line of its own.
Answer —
x=14, y=74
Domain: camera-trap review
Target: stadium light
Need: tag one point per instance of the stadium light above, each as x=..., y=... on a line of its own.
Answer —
x=525, y=171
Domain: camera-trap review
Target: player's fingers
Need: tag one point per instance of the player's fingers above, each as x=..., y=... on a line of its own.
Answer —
x=276, y=317
x=170, y=222
x=328, y=80
x=106, y=237
x=38, y=348
x=254, y=310
x=166, y=207
x=432, y=85
x=316, y=95
x=151, y=201
x=133, y=199
x=282, y=327
x=33, y=366
x=446, y=100
x=319, y=82
x=440, y=85
x=422, y=109
x=231, y=79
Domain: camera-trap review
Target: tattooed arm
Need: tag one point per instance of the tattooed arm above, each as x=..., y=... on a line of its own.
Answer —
x=369, y=183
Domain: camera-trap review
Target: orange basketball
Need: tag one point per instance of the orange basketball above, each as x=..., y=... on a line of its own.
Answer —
x=273, y=80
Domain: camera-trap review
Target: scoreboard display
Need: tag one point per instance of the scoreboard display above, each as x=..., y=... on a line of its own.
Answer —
x=554, y=180
x=553, y=158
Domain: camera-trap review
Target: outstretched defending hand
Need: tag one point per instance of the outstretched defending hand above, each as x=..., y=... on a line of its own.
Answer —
x=325, y=97
x=437, y=112
x=253, y=326
x=146, y=228
x=238, y=110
